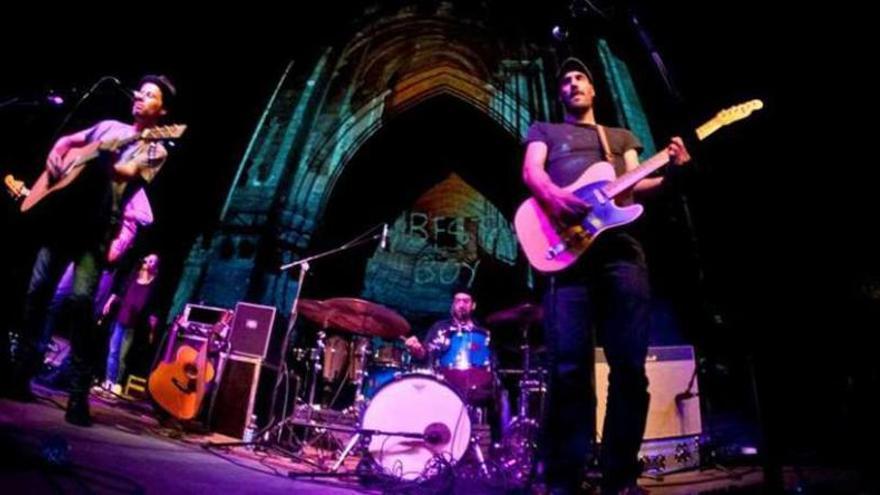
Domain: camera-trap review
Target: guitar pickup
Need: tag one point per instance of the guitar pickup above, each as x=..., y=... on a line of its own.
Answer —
x=556, y=250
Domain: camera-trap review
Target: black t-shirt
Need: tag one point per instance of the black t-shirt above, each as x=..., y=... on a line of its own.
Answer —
x=571, y=150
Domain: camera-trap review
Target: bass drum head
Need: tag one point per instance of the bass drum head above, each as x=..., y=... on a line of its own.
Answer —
x=421, y=404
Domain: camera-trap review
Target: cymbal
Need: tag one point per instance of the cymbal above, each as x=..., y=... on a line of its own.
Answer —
x=366, y=318
x=315, y=310
x=526, y=313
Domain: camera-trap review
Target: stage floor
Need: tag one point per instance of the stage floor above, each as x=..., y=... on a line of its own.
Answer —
x=127, y=451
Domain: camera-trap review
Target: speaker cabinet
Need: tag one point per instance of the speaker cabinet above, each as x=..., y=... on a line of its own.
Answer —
x=233, y=403
x=251, y=329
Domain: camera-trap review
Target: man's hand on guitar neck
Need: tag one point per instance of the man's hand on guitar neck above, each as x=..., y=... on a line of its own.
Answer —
x=677, y=151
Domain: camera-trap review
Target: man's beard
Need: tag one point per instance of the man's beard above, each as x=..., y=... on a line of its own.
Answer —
x=577, y=110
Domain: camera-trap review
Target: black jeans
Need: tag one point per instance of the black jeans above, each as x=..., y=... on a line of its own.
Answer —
x=48, y=268
x=609, y=294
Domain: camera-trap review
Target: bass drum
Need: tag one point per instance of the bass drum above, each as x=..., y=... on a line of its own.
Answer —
x=420, y=404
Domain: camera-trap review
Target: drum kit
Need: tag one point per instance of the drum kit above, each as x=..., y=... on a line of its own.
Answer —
x=410, y=418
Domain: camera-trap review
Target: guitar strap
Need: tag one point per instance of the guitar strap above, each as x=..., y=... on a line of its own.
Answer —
x=606, y=149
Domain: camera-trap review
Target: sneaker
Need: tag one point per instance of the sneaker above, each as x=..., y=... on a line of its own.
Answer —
x=116, y=389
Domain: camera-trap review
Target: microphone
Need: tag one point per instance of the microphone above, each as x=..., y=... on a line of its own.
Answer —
x=559, y=32
x=116, y=83
x=383, y=242
x=129, y=93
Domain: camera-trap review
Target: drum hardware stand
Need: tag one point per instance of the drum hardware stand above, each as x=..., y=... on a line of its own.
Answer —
x=315, y=355
x=360, y=436
x=316, y=366
x=347, y=450
x=310, y=407
x=362, y=351
x=475, y=445
x=275, y=428
x=529, y=382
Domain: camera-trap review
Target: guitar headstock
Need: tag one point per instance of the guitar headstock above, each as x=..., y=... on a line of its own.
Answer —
x=221, y=328
x=738, y=112
x=14, y=187
x=163, y=132
x=226, y=319
x=728, y=116
x=179, y=320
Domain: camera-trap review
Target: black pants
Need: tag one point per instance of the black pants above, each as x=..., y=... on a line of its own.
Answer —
x=611, y=296
x=48, y=269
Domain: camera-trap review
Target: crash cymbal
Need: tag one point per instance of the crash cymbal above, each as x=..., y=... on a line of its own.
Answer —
x=366, y=318
x=522, y=314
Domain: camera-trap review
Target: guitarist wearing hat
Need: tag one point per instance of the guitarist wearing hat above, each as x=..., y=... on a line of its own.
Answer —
x=126, y=158
x=608, y=288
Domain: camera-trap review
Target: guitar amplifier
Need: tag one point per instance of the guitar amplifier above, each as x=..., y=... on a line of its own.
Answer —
x=671, y=439
x=251, y=329
x=199, y=319
x=233, y=403
x=669, y=371
x=669, y=455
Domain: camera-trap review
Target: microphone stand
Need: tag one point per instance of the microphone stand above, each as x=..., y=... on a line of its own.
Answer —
x=81, y=100
x=771, y=465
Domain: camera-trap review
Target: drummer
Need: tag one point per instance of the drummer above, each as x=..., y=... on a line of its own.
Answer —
x=436, y=340
x=437, y=343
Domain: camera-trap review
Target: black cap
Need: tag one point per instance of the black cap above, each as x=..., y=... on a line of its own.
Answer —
x=169, y=92
x=573, y=64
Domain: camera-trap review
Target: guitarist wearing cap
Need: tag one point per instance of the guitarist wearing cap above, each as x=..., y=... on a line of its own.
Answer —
x=607, y=288
x=116, y=160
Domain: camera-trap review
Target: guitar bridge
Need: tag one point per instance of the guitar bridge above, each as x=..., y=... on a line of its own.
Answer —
x=576, y=234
